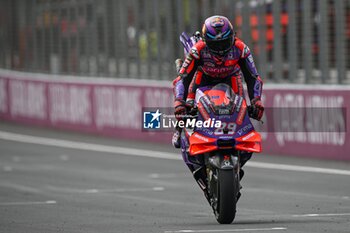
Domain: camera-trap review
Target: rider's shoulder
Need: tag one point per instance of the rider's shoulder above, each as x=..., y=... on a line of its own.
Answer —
x=240, y=44
x=197, y=48
x=242, y=47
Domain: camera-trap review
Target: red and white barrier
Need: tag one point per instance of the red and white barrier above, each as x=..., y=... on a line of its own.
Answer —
x=113, y=107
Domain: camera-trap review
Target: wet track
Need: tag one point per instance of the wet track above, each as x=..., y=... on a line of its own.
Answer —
x=76, y=187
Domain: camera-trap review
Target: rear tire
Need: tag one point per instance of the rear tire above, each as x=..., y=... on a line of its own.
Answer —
x=227, y=196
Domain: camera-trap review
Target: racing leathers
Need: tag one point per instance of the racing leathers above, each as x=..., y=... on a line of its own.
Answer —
x=202, y=68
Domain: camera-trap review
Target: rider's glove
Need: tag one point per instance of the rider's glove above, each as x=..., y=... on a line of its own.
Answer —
x=257, y=109
x=180, y=109
x=189, y=103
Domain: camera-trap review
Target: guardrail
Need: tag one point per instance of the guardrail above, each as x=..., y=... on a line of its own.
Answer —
x=300, y=120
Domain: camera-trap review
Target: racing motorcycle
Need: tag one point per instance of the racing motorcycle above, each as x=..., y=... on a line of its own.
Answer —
x=213, y=150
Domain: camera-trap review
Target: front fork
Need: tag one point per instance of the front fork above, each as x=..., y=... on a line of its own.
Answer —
x=204, y=167
x=223, y=161
x=220, y=161
x=206, y=175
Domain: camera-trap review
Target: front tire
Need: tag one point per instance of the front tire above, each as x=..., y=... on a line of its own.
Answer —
x=227, y=189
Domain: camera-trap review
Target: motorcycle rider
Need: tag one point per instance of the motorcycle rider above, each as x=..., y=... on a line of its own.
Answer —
x=220, y=57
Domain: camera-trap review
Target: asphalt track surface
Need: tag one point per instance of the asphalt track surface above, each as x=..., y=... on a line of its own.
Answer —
x=53, y=181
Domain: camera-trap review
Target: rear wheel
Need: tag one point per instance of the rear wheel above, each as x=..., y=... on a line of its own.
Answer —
x=226, y=193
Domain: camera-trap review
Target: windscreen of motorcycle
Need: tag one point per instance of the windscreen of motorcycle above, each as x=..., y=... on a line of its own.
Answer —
x=221, y=97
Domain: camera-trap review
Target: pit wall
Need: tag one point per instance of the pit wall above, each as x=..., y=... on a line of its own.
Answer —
x=113, y=107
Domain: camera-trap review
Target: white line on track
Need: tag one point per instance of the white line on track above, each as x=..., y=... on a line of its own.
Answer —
x=50, y=202
x=230, y=230
x=322, y=215
x=122, y=190
x=297, y=194
x=93, y=191
x=287, y=167
x=153, y=154
x=19, y=187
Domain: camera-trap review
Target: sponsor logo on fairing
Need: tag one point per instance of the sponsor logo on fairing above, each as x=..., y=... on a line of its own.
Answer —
x=201, y=137
x=207, y=131
x=245, y=129
x=204, y=103
x=248, y=136
x=224, y=111
x=239, y=104
x=241, y=115
x=203, y=111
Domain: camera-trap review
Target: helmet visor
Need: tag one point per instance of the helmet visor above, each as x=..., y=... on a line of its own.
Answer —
x=219, y=46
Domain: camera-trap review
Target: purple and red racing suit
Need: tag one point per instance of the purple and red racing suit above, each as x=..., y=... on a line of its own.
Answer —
x=202, y=68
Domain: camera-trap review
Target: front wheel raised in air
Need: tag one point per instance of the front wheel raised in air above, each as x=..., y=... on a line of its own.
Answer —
x=227, y=196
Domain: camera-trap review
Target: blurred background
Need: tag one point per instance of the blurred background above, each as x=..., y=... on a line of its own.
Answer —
x=293, y=41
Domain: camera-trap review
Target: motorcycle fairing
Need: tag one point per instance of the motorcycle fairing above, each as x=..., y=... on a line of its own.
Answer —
x=250, y=142
x=200, y=144
x=241, y=136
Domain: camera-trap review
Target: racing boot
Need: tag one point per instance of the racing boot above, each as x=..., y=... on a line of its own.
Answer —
x=241, y=174
x=200, y=176
x=245, y=156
